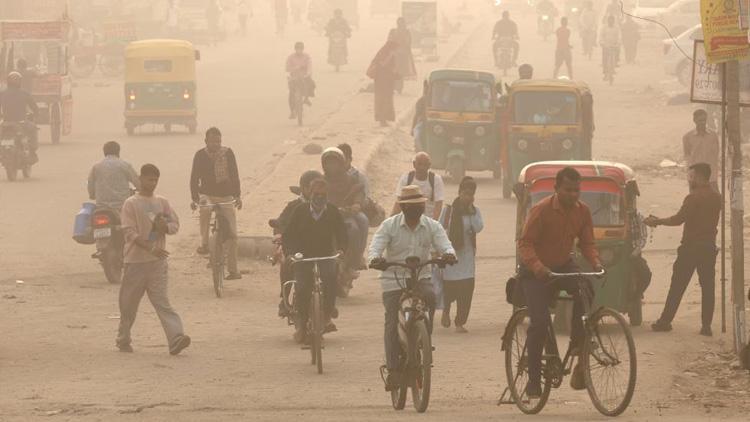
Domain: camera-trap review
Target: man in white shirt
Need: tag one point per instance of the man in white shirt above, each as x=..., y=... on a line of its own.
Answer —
x=431, y=185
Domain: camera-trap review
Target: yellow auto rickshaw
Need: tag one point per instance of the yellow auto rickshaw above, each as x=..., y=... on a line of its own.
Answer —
x=545, y=120
x=160, y=84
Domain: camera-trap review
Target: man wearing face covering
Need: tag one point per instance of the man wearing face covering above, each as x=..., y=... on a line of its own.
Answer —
x=315, y=230
x=407, y=234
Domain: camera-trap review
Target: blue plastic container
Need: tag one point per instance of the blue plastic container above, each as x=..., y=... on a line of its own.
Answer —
x=82, y=227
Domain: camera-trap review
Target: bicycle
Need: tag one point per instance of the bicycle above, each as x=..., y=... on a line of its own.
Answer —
x=220, y=233
x=600, y=356
x=298, y=99
x=415, y=361
x=315, y=322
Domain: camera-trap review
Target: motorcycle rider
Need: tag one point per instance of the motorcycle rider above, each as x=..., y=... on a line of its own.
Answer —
x=345, y=192
x=545, y=8
x=15, y=103
x=110, y=180
x=505, y=28
x=406, y=234
x=338, y=25
x=299, y=68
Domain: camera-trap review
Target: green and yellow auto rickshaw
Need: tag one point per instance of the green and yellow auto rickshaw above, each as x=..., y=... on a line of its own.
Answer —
x=461, y=132
x=545, y=120
x=610, y=191
x=160, y=84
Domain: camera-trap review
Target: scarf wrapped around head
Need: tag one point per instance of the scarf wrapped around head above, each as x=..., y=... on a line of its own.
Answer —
x=457, y=212
x=221, y=164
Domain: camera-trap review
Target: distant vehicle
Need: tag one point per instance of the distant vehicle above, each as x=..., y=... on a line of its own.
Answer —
x=676, y=16
x=675, y=62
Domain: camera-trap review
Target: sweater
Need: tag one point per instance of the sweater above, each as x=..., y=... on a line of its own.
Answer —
x=315, y=238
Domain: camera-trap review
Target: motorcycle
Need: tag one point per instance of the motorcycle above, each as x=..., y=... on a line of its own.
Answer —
x=110, y=242
x=15, y=154
x=337, y=50
x=504, y=54
x=546, y=26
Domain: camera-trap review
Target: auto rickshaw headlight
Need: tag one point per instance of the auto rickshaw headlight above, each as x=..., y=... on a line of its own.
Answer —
x=522, y=144
x=607, y=256
x=567, y=144
x=438, y=129
x=480, y=131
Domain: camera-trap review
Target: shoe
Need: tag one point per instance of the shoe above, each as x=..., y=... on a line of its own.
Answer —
x=393, y=381
x=233, y=276
x=533, y=391
x=330, y=327
x=706, y=331
x=461, y=330
x=125, y=348
x=202, y=250
x=180, y=343
x=577, y=381
x=659, y=326
x=300, y=336
x=445, y=321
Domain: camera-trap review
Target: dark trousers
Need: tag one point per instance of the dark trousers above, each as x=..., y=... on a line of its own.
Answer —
x=539, y=296
x=692, y=257
x=303, y=273
x=461, y=292
x=392, y=304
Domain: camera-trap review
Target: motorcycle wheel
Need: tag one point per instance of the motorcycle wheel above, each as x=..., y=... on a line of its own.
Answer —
x=55, y=123
x=112, y=263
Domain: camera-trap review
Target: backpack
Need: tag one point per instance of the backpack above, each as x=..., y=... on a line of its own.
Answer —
x=430, y=178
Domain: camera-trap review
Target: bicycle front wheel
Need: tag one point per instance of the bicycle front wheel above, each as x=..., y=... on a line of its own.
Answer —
x=422, y=367
x=609, y=362
x=517, y=365
x=217, y=265
x=316, y=332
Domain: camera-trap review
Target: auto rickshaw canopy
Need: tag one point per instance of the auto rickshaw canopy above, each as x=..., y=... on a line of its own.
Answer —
x=619, y=173
x=550, y=84
x=160, y=61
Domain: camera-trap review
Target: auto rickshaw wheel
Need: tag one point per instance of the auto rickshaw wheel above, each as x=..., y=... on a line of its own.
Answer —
x=456, y=169
x=11, y=171
x=55, y=122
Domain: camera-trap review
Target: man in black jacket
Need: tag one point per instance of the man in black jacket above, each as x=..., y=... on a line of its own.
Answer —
x=315, y=231
x=213, y=180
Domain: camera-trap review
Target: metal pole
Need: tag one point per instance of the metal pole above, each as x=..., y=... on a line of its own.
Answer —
x=736, y=205
x=723, y=197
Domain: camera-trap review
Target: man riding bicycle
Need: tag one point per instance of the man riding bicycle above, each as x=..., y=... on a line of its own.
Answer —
x=546, y=245
x=505, y=28
x=610, y=42
x=299, y=68
x=407, y=234
x=315, y=230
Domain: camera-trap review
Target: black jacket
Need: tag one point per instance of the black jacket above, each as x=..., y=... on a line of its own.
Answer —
x=315, y=238
x=203, y=180
x=15, y=104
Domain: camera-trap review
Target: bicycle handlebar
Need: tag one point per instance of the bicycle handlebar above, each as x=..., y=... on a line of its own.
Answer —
x=297, y=258
x=384, y=266
x=209, y=205
x=578, y=274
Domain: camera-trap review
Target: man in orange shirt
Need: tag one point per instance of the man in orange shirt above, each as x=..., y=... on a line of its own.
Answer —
x=546, y=245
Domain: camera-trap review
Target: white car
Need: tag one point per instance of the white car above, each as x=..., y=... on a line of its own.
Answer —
x=675, y=62
x=675, y=15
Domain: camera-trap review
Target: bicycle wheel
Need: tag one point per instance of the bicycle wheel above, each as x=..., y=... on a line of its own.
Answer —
x=609, y=362
x=300, y=110
x=316, y=332
x=516, y=365
x=217, y=264
x=422, y=366
x=398, y=396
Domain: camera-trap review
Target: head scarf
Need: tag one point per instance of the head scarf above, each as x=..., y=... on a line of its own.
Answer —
x=381, y=58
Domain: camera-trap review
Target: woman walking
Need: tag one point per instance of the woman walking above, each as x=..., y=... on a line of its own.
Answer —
x=463, y=221
x=383, y=72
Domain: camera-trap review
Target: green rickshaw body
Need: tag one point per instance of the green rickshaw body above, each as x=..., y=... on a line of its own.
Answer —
x=461, y=132
x=610, y=191
x=546, y=120
x=160, y=83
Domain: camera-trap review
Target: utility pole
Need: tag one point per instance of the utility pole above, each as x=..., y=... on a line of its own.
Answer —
x=732, y=82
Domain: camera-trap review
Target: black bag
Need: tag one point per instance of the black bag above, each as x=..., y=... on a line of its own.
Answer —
x=514, y=292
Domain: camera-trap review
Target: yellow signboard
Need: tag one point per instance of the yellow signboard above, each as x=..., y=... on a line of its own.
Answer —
x=724, y=40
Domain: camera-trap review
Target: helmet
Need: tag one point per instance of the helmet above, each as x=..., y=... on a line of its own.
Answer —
x=308, y=176
x=332, y=152
x=14, y=78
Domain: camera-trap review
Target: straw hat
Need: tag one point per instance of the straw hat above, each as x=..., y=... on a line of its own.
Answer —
x=411, y=195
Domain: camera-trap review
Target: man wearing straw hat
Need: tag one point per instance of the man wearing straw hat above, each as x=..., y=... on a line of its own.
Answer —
x=407, y=234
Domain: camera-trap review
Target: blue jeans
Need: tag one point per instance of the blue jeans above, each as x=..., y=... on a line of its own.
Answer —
x=392, y=304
